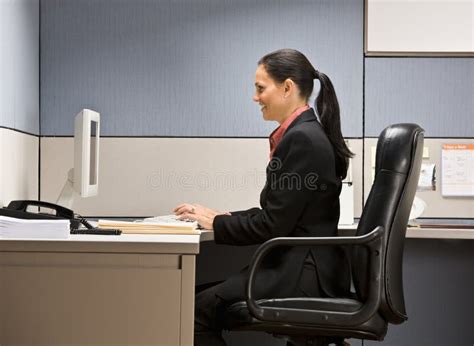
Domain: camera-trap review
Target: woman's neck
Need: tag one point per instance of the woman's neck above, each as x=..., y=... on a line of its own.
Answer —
x=291, y=110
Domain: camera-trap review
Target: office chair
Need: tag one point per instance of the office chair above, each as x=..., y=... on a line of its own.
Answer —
x=375, y=253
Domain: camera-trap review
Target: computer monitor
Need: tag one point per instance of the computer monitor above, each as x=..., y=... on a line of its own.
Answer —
x=83, y=178
x=86, y=152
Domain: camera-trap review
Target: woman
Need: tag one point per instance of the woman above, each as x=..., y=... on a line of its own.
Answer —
x=308, y=160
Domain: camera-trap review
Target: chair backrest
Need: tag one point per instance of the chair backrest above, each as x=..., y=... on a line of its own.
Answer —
x=397, y=170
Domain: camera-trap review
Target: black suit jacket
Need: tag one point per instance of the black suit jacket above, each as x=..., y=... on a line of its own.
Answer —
x=300, y=199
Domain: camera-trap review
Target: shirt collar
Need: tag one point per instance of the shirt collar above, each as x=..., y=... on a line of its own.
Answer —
x=277, y=134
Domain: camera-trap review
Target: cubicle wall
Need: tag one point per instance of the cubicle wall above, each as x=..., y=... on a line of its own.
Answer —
x=437, y=205
x=176, y=94
x=187, y=68
x=412, y=27
x=179, y=78
x=433, y=92
x=19, y=99
x=18, y=166
x=19, y=65
x=150, y=176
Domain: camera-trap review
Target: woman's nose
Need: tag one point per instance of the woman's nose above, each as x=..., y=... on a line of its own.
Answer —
x=255, y=98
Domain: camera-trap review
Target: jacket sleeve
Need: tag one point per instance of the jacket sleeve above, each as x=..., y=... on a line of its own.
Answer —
x=291, y=178
x=245, y=212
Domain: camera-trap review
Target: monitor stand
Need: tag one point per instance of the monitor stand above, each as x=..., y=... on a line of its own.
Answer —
x=67, y=195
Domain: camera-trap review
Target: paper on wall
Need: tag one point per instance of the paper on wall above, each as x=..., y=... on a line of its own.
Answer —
x=457, y=170
x=427, y=181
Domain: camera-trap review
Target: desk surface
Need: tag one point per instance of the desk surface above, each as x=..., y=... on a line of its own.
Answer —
x=412, y=232
x=177, y=244
x=439, y=232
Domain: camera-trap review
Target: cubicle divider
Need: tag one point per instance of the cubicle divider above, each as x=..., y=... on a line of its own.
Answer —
x=437, y=205
x=150, y=176
x=18, y=165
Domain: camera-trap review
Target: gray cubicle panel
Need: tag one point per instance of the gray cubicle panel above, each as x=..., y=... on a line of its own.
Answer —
x=19, y=65
x=437, y=205
x=19, y=100
x=187, y=68
x=435, y=93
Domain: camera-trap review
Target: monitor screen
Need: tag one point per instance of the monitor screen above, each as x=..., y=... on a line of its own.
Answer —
x=92, y=154
x=86, y=153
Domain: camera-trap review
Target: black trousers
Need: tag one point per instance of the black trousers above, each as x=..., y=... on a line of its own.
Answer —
x=209, y=307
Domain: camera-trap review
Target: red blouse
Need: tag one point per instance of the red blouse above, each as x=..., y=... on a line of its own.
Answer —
x=277, y=135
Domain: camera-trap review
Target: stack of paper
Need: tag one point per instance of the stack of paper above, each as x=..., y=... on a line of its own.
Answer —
x=167, y=224
x=12, y=228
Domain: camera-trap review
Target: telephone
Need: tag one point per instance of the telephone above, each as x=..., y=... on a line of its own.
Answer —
x=21, y=209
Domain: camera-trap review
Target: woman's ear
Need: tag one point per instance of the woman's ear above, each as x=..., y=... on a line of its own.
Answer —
x=288, y=87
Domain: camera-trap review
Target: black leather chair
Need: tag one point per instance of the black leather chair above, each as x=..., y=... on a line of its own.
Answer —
x=376, y=254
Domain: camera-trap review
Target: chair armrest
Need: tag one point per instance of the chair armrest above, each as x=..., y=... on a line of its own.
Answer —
x=373, y=241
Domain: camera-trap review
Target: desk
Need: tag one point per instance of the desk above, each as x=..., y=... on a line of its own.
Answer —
x=412, y=232
x=425, y=232
x=90, y=290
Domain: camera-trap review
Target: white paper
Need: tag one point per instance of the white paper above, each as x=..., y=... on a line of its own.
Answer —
x=13, y=228
x=457, y=170
x=427, y=181
x=347, y=204
x=170, y=220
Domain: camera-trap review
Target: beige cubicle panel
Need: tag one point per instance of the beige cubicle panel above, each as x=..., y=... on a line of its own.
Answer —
x=18, y=166
x=150, y=176
x=414, y=27
x=438, y=206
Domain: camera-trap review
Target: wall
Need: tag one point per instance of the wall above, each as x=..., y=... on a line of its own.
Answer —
x=150, y=176
x=186, y=68
x=173, y=82
x=19, y=99
x=420, y=30
x=433, y=92
x=182, y=69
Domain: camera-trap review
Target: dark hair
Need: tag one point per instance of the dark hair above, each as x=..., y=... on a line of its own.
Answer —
x=291, y=64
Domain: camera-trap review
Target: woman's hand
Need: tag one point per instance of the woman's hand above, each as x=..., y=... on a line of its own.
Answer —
x=196, y=212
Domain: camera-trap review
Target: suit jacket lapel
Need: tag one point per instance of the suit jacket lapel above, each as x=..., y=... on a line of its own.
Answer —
x=305, y=116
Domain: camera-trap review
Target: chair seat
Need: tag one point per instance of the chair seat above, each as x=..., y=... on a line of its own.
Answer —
x=237, y=317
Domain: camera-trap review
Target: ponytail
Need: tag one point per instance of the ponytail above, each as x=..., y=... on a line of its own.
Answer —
x=327, y=108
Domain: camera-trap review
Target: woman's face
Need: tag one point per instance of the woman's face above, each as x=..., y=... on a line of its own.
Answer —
x=269, y=95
